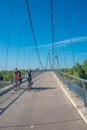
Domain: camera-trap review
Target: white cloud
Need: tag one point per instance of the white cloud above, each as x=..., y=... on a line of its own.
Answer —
x=60, y=43
x=65, y=42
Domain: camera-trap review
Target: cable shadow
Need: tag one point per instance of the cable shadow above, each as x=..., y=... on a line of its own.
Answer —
x=36, y=80
x=27, y=83
x=4, y=109
x=6, y=99
x=1, y=108
x=17, y=92
x=41, y=89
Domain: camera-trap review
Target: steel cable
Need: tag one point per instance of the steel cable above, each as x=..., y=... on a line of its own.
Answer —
x=28, y=9
x=9, y=34
x=69, y=30
x=52, y=23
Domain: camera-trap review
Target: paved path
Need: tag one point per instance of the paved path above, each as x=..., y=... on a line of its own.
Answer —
x=45, y=107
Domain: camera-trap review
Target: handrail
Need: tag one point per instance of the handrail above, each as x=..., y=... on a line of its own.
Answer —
x=73, y=76
x=83, y=81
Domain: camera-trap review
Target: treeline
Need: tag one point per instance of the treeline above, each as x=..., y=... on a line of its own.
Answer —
x=8, y=75
x=78, y=70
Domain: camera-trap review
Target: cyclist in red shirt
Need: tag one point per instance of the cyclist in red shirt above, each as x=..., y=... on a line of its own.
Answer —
x=17, y=75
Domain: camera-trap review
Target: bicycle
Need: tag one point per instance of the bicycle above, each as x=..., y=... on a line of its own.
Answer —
x=29, y=85
x=16, y=84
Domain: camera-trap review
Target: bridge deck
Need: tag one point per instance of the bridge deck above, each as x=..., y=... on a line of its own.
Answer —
x=45, y=107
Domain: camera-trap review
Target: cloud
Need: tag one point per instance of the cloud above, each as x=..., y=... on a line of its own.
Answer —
x=64, y=42
x=59, y=43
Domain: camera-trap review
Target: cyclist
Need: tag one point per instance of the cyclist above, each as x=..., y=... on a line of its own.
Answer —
x=17, y=75
x=29, y=77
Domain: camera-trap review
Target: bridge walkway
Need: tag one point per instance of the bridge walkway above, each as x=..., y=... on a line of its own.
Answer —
x=44, y=107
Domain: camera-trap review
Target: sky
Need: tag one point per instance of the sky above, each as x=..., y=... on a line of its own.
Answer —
x=17, y=47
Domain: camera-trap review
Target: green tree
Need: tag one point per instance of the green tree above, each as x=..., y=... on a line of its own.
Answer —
x=84, y=66
x=77, y=67
x=1, y=77
x=81, y=73
x=70, y=71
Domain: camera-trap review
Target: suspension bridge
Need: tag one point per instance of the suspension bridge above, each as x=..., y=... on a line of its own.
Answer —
x=57, y=99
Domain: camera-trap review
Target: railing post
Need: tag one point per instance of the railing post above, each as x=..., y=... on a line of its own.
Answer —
x=63, y=79
x=59, y=74
x=60, y=77
x=69, y=84
x=85, y=98
x=11, y=80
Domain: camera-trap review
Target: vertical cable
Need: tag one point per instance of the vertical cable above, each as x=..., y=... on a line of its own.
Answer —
x=52, y=23
x=64, y=54
x=18, y=49
x=69, y=30
x=60, y=62
x=24, y=46
x=62, y=45
x=46, y=63
x=49, y=60
x=9, y=34
x=57, y=59
x=29, y=16
x=24, y=58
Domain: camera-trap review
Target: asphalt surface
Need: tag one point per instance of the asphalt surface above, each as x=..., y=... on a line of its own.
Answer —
x=44, y=107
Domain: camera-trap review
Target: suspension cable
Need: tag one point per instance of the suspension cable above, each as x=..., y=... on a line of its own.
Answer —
x=29, y=15
x=52, y=23
x=69, y=30
x=24, y=46
x=24, y=58
x=60, y=62
x=8, y=40
x=18, y=50
x=64, y=55
x=62, y=45
x=46, y=63
x=57, y=60
x=49, y=60
x=60, y=59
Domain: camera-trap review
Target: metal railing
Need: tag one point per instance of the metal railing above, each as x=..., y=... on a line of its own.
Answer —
x=75, y=84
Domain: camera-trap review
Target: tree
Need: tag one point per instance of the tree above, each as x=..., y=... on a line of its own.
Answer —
x=70, y=71
x=81, y=73
x=84, y=66
x=1, y=77
x=77, y=70
x=77, y=67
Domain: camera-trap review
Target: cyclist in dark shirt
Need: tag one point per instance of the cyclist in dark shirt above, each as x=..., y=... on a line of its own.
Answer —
x=29, y=75
x=29, y=78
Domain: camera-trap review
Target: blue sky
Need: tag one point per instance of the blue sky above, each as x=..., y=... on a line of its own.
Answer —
x=70, y=23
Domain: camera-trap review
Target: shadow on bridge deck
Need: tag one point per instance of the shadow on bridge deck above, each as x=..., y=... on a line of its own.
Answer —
x=41, y=88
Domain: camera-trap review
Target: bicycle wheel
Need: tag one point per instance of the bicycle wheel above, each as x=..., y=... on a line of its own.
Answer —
x=29, y=84
x=15, y=84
